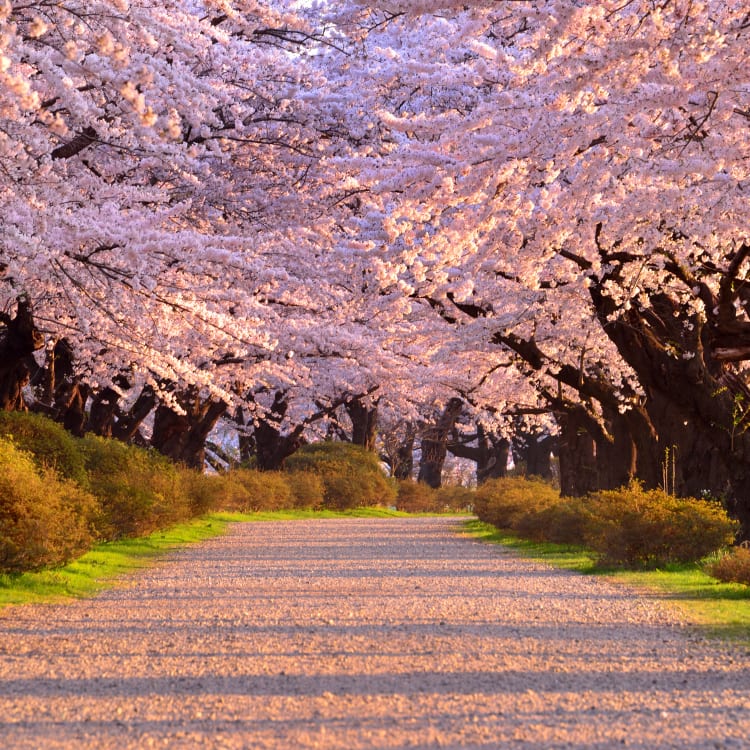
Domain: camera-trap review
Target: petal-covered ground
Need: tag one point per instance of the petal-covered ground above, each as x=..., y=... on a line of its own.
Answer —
x=364, y=633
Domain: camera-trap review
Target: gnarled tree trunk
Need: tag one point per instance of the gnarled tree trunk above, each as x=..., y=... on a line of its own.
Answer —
x=490, y=454
x=435, y=444
x=696, y=404
x=534, y=452
x=364, y=422
x=182, y=437
x=577, y=451
x=272, y=447
x=19, y=339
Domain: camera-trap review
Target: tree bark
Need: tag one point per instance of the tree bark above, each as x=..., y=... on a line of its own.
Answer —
x=364, y=423
x=103, y=412
x=19, y=339
x=434, y=444
x=128, y=424
x=697, y=404
x=532, y=450
x=271, y=446
x=490, y=453
x=578, y=470
x=403, y=465
x=245, y=437
x=182, y=437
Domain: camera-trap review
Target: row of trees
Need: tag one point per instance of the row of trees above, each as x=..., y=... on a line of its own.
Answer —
x=492, y=219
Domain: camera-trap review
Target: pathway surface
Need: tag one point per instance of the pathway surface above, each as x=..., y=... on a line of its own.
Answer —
x=364, y=634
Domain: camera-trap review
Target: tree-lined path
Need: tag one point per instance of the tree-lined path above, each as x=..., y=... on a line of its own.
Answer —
x=364, y=633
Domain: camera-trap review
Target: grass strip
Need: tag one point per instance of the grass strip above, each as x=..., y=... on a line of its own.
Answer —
x=104, y=564
x=718, y=610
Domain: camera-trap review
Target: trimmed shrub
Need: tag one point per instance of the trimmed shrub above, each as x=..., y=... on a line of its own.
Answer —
x=48, y=443
x=454, y=497
x=45, y=520
x=562, y=522
x=205, y=492
x=254, y=490
x=352, y=476
x=504, y=502
x=416, y=497
x=307, y=489
x=225, y=492
x=733, y=567
x=635, y=528
x=139, y=490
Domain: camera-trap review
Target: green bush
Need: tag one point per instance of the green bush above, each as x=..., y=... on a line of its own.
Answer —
x=48, y=442
x=504, y=502
x=455, y=498
x=351, y=476
x=307, y=489
x=416, y=497
x=205, y=492
x=45, y=519
x=253, y=490
x=561, y=522
x=139, y=490
x=732, y=567
x=635, y=528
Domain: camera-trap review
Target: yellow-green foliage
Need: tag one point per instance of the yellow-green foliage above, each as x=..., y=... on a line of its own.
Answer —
x=139, y=490
x=307, y=489
x=48, y=442
x=204, y=491
x=632, y=527
x=416, y=497
x=733, y=567
x=352, y=476
x=628, y=527
x=45, y=520
x=504, y=502
x=562, y=521
x=252, y=490
x=454, y=497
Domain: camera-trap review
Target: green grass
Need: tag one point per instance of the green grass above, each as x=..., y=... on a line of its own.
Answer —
x=559, y=555
x=103, y=565
x=717, y=609
x=300, y=514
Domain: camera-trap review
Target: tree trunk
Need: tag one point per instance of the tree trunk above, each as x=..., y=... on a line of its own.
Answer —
x=534, y=452
x=245, y=438
x=398, y=448
x=490, y=453
x=493, y=459
x=182, y=437
x=103, y=412
x=697, y=404
x=364, y=423
x=434, y=444
x=273, y=448
x=578, y=471
x=70, y=405
x=128, y=424
x=19, y=339
x=403, y=465
x=616, y=452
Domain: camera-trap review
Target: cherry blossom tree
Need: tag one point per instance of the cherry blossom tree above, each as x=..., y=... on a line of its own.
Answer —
x=596, y=155
x=535, y=207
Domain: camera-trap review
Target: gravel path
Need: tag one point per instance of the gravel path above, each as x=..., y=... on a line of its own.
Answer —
x=364, y=634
